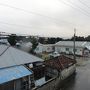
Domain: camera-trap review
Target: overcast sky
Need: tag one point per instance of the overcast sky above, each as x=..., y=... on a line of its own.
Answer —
x=45, y=17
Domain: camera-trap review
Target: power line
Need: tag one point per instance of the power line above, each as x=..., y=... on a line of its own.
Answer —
x=70, y=5
x=35, y=13
x=84, y=4
x=79, y=7
x=15, y=24
x=4, y=51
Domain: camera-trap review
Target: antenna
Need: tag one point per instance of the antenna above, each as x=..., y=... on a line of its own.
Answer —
x=74, y=43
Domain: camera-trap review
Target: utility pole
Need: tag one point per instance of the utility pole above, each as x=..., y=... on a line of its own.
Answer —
x=74, y=43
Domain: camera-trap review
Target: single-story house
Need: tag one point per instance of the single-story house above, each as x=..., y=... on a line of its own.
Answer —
x=25, y=46
x=15, y=78
x=14, y=73
x=67, y=47
x=4, y=41
x=60, y=66
x=41, y=48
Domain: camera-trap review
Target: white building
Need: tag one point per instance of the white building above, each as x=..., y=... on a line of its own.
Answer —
x=25, y=46
x=4, y=41
x=44, y=48
x=81, y=48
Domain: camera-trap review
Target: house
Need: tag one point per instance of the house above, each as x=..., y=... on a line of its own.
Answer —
x=67, y=47
x=15, y=78
x=14, y=73
x=38, y=69
x=60, y=66
x=4, y=41
x=41, y=48
x=11, y=56
x=25, y=46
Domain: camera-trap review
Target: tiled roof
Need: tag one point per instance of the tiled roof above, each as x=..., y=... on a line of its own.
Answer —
x=60, y=62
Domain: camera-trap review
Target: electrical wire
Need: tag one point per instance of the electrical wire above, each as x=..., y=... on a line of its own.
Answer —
x=4, y=51
x=35, y=13
x=84, y=4
x=30, y=12
x=51, y=18
x=15, y=24
x=79, y=7
x=76, y=8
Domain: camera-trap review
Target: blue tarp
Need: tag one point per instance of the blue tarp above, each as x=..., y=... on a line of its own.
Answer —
x=12, y=73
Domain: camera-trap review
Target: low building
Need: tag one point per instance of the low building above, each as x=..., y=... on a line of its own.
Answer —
x=67, y=47
x=4, y=41
x=25, y=46
x=14, y=73
x=15, y=78
x=42, y=48
x=60, y=66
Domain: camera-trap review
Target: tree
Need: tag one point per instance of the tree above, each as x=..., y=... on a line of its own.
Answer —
x=12, y=39
x=59, y=39
x=78, y=38
x=42, y=40
x=87, y=38
x=34, y=44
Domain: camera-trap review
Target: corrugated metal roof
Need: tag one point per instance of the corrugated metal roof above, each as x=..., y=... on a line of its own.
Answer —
x=71, y=44
x=13, y=56
x=46, y=44
x=12, y=73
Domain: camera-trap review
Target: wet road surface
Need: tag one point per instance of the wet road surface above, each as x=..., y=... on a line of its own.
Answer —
x=81, y=81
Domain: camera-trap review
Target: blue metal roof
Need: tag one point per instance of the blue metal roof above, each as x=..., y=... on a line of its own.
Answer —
x=12, y=73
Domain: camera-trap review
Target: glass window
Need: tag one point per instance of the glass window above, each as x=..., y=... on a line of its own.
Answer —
x=67, y=49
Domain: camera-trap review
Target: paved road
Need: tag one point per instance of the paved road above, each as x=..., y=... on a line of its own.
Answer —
x=81, y=81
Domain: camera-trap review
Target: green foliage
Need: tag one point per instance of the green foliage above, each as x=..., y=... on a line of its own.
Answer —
x=12, y=39
x=78, y=38
x=34, y=42
x=52, y=40
x=87, y=38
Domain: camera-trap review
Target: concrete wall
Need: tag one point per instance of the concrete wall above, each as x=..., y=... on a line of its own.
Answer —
x=68, y=71
x=55, y=83
x=50, y=85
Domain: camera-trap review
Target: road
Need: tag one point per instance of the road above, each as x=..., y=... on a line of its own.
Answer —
x=81, y=81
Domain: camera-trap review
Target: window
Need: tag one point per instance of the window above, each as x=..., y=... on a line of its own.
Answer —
x=75, y=50
x=67, y=49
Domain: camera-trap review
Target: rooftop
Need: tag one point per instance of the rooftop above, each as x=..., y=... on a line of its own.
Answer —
x=60, y=62
x=10, y=56
x=71, y=43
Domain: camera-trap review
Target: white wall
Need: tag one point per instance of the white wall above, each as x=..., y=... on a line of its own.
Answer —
x=25, y=47
x=47, y=48
x=43, y=48
x=68, y=71
x=61, y=49
x=39, y=49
